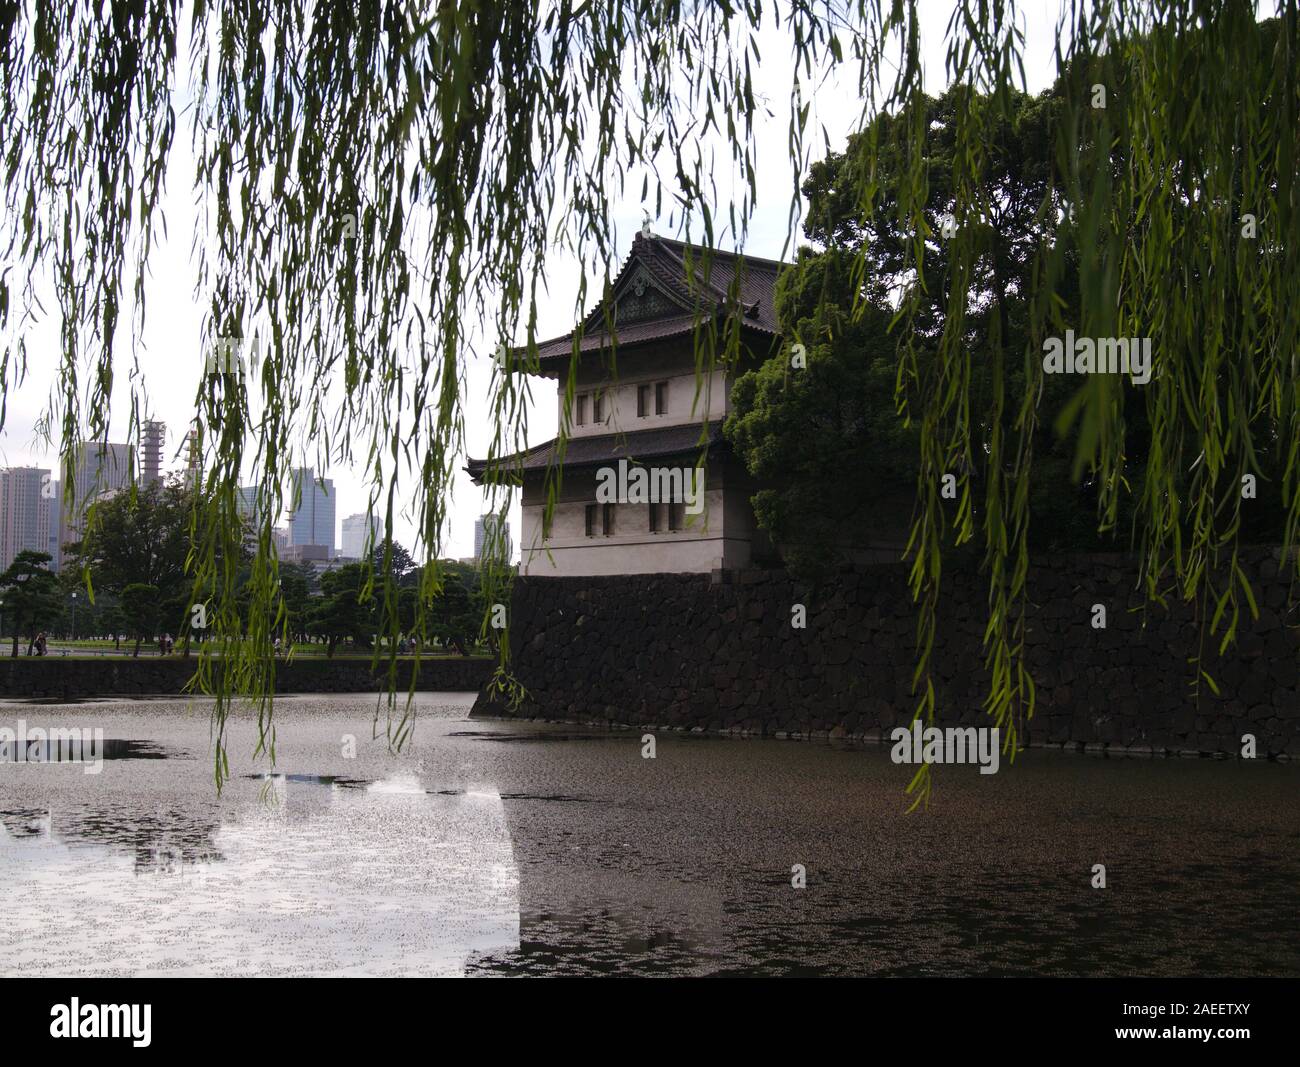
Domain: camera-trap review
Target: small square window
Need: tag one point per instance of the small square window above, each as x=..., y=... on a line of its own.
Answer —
x=661, y=398
x=591, y=519
x=676, y=516
x=654, y=518
x=642, y=401
x=580, y=409
x=597, y=407
x=609, y=520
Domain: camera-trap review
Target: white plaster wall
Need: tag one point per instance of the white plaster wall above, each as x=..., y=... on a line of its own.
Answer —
x=620, y=401
x=703, y=546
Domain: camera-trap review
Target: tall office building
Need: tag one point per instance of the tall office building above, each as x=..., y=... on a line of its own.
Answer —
x=56, y=548
x=26, y=505
x=356, y=530
x=311, y=521
x=101, y=468
x=492, y=538
x=152, y=435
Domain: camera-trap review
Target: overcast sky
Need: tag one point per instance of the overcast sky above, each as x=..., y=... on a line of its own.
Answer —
x=171, y=362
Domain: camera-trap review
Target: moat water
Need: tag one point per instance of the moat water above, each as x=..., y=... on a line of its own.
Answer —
x=496, y=848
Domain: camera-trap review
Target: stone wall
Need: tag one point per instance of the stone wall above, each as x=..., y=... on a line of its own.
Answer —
x=70, y=678
x=691, y=652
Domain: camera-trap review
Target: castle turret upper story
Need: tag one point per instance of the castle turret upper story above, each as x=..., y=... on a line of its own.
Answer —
x=649, y=484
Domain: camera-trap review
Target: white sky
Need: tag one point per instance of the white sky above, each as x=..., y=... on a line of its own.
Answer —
x=170, y=358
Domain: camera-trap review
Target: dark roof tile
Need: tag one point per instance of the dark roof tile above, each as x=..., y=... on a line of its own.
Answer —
x=697, y=298
x=605, y=448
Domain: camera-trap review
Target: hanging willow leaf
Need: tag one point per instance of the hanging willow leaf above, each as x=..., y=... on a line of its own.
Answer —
x=382, y=186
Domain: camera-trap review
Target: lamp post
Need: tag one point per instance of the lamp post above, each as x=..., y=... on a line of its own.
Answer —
x=74, y=617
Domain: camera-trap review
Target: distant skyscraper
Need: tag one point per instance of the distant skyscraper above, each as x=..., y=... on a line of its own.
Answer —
x=101, y=467
x=356, y=529
x=26, y=503
x=486, y=545
x=152, y=436
x=56, y=549
x=246, y=501
x=312, y=521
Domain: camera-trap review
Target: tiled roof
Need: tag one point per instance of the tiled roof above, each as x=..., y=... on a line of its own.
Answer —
x=692, y=296
x=590, y=451
x=633, y=333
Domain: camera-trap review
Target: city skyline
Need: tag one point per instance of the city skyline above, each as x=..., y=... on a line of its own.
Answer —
x=162, y=454
x=32, y=515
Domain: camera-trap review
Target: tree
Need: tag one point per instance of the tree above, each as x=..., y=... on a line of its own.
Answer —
x=145, y=537
x=453, y=618
x=296, y=581
x=29, y=592
x=802, y=429
x=340, y=613
x=822, y=438
x=140, y=612
x=401, y=566
x=140, y=538
x=111, y=622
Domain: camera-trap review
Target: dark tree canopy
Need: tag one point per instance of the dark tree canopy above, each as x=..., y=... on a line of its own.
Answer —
x=343, y=614
x=826, y=441
x=29, y=595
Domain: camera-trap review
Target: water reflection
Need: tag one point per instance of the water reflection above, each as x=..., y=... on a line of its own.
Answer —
x=278, y=781
x=321, y=878
x=153, y=840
